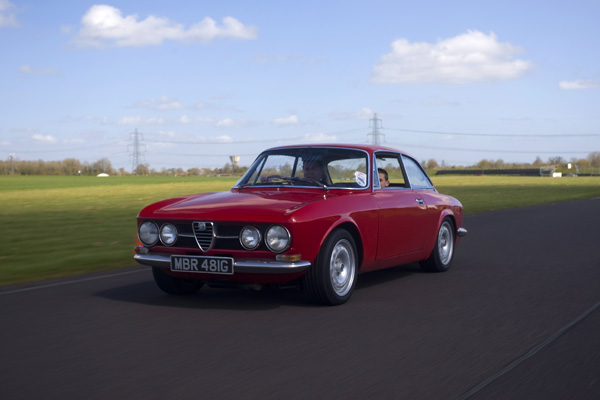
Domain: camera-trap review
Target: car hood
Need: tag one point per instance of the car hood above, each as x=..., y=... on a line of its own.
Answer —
x=232, y=205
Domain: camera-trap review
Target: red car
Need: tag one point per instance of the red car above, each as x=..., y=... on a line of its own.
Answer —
x=314, y=215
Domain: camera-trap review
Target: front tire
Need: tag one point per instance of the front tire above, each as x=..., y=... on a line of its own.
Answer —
x=177, y=286
x=442, y=254
x=332, y=279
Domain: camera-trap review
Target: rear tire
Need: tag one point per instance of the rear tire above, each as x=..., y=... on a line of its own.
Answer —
x=442, y=254
x=176, y=286
x=332, y=279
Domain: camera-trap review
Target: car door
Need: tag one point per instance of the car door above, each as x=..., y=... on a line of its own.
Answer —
x=400, y=210
x=426, y=196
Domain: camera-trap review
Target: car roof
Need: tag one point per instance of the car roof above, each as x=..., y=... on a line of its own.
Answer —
x=367, y=147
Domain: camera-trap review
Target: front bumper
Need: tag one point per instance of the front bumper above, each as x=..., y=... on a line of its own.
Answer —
x=251, y=266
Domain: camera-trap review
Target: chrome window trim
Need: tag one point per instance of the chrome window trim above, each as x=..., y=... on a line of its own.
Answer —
x=376, y=185
x=422, y=170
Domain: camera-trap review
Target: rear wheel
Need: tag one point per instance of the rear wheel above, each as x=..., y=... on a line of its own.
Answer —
x=442, y=254
x=331, y=280
x=171, y=285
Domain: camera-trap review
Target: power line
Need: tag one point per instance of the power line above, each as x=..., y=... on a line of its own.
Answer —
x=491, y=151
x=496, y=134
x=289, y=139
x=69, y=149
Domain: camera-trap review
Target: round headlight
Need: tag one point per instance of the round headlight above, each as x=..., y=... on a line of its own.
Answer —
x=168, y=234
x=250, y=237
x=148, y=233
x=278, y=239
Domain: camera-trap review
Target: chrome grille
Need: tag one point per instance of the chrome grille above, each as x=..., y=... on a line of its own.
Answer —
x=204, y=233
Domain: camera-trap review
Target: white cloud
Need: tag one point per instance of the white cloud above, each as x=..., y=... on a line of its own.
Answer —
x=28, y=70
x=5, y=143
x=224, y=139
x=470, y=57
x=290, y=120
x=319, y=137
x=226, y=123
x=577, y=85
x=139, y=121
x=185, y=120
x=44, y=139
x=103, y=25
x=7, y=14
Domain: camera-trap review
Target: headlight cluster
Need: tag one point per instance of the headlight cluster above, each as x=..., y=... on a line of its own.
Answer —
x=149, y=233
x=277, y=238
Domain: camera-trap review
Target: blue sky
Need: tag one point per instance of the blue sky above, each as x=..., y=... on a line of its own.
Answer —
x=455, y=81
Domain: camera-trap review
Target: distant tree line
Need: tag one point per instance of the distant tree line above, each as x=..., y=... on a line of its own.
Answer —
x=591, y=161
x=72, y=166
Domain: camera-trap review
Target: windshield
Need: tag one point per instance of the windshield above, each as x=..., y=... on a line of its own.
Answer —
x=309, y=166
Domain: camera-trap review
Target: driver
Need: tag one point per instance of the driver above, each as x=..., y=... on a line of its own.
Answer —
x=313, y=170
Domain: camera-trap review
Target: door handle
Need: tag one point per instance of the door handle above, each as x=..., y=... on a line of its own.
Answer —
x=420, y=201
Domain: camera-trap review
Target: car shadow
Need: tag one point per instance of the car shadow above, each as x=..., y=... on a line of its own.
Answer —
x=382, y=276
x=209, y=298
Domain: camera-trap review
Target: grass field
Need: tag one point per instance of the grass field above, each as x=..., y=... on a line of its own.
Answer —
x=56, y=226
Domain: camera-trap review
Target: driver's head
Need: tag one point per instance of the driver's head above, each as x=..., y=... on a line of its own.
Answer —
x=312, y=169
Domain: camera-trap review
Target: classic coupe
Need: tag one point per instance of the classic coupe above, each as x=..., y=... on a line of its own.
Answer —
x=315, y=216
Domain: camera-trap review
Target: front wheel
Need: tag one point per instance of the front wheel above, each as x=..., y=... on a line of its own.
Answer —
x=331, y=280
x=442, y=254
x=171, y=285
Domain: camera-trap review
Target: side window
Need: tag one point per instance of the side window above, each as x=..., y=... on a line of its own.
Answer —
x=389, y=164
x=418, y=179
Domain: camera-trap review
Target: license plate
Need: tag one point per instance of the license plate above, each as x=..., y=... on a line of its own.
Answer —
x=202, y=264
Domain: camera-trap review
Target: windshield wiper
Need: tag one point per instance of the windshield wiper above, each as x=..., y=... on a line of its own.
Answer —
x=314, y=181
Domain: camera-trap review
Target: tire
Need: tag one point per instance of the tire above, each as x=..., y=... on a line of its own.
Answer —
x=172, y=285
x=442, y=254
x=332, y=279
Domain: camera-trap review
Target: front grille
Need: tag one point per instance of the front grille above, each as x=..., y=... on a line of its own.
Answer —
x=204, y=233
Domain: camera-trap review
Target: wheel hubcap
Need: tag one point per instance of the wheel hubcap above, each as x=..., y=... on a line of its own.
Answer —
x=342, y=267
x=445, y=243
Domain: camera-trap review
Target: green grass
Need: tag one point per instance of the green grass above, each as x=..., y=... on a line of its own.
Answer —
x=488, y=193
x=57, y=226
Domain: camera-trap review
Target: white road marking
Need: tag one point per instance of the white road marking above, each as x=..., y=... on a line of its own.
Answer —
x=529, y=354
x=71, y=282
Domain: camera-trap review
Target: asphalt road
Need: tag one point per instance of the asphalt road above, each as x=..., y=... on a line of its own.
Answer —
x=517, y=317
